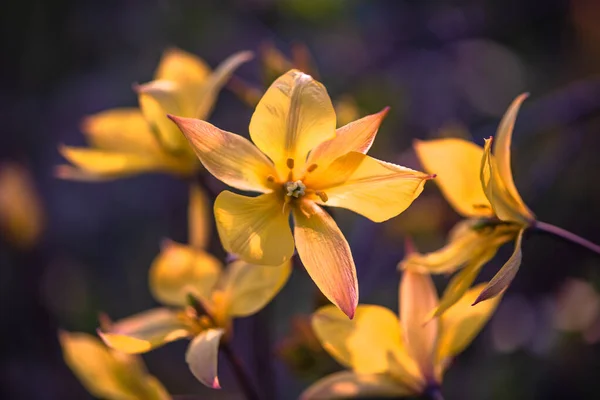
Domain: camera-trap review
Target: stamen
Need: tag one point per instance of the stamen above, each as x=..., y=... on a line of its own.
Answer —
x=311, y=168
x=323, y=196
x=290, y=163
x=270, y=178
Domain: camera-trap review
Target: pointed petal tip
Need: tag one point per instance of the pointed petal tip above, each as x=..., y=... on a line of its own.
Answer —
x=165, y=243
x=432, y=176
x=216, y=384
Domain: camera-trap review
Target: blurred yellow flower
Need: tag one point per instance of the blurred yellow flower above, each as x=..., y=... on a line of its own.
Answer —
x=479, y=185
x=299, y=162
x=21, y=213
x=390, y=357
x=106, y=373
x=129, y=141
x=179, y=271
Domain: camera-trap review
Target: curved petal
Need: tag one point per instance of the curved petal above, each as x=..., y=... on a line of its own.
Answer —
x=181, y=67
x=145, y=331
x=346, y=384
x=199, y=218
x=202, y=356
x=97, y=164
x=373, y=188
x=229, y=157
x=326, y=256
x=370, y=343
x=248, y=288
x=465, y=242
x=254, y=228
x=462, y=322
x=121, y=130
x=417, y=297
x=505, y=276
x=456, y=162
x=501, y=149
x=180, y=270
x=293, y=117
x=95, y=366
x=356, y=136
x=506, y=207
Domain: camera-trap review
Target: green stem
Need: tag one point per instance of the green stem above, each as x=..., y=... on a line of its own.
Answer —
x=566, y=235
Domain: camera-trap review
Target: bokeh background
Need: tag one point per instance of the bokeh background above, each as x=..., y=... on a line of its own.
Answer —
x=446, y=68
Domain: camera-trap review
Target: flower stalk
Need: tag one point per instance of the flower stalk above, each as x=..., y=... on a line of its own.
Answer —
x=565, y=235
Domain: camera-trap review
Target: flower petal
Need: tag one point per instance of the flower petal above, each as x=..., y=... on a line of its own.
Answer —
x=505, y=276
x=417, y=297
x=95, y=366
x=465, y=242
x=254, y=228
x=229, y=157
x=100, y=164
x=120, y=130
x=346, y=384
x=326, y=256
x=462, y=281
x=370, y=343
x=180, y=270
x=373, y=188
x=293, y=117
x=181, y=67
x=199, y=218
x=456, y=163
x=462, y=322
x=356, y=136
x=506, y=207
x=248, y=288
x=145, y=331
x=202, y=356
x=501, y=150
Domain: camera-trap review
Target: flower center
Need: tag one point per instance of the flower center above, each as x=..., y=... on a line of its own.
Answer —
x=295, y=189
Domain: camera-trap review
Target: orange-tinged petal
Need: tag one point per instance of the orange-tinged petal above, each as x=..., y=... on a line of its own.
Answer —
x=462, y=322
x=145, y=331
x=370, y=343
x=180, y=270
x=505, y=207
x=293, y=117
x=417, y=296
x=100, y=164
x=356, y=136
x=229, y=157
x=462, y=281
x=465, y=242
x=248, y=288
x=199, y=218
x=120, y=130
x=254, y=228
x=346, y=384
x=326, y=256
x=202, y=356
x=501, y=151
x=182, y=67
x=456, y=162
x=373, y=188
x=505, y=276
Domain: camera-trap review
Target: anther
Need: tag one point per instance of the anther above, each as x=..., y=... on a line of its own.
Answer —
x=323, y=196
x=270, y=178
x=311, y=167
x=290, y=163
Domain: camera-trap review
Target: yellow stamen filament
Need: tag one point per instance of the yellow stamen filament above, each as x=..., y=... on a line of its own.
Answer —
x=323, y=196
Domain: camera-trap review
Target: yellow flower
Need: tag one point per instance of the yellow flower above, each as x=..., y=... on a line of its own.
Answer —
x=106, y=373
x=129, y=141
x=179, y=271
x=390, y=357
x=299, y=163
x=478, y=183
x=21, y=212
